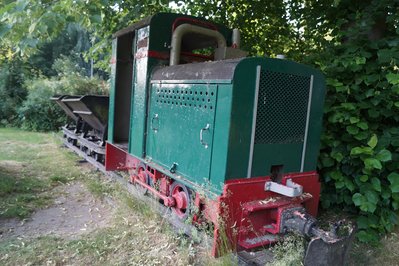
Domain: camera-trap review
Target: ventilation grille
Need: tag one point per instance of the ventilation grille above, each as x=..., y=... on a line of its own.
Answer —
x=188, y=98
x=282, y=108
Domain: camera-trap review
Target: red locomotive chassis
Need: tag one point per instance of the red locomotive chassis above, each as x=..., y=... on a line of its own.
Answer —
x=244, y=214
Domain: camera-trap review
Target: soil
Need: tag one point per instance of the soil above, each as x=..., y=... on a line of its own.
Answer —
x=75, y=212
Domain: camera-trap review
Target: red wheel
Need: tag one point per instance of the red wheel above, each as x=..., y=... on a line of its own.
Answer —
x=182, y=198
x=143, y=177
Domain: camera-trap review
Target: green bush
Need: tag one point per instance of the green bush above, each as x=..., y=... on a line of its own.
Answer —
x=39, y=113
x=359, y=160
x=12, y=90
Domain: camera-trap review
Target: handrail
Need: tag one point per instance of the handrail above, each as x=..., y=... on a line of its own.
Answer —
x=188, y=28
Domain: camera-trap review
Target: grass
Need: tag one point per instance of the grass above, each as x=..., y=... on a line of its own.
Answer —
x=136, y=236
x=31, y=165
x=21, y=196
x=385, y=253
x=289, y=252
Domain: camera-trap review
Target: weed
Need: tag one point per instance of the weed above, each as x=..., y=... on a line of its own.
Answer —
x=97, y=187
x=60, y=179
x=289, y=252
x=136, y=205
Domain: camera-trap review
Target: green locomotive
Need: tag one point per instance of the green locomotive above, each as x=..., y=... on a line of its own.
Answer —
x=222, y=138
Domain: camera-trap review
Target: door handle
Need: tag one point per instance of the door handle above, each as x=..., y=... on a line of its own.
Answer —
x=201, y=135
x=155, y=126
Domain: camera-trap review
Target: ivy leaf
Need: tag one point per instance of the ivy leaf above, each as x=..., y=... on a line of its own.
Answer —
x=384, y=155
x=371, y=196
x=393, y=78
x=348, y=106
x=366, y=203
x=376, y=183
x=362, y=125
x=327, y=162
x=372, y=163
x=367, y=236
x=394, y=180
x=361, y=150
x=362, y=222
x=336, y=175
x=385, y=193
x=364, y=178
x=373, y=113
x=358, y=199
x=368, y=207
x=360, y=60
x=349, y=184
x=362, y=135
x=373, y=141
x=354, y=120
x=337, y=156
x=385, y=55
x=339, y=184
x=352, y=130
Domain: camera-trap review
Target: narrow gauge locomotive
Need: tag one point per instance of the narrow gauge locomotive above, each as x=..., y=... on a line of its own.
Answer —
x=228, y=140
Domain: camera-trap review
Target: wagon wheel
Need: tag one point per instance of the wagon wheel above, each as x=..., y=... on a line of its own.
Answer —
x=143, y=177
x=181, y=195
x=99, y=157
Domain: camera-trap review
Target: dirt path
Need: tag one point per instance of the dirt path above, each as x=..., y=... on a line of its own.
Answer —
x=75, y=212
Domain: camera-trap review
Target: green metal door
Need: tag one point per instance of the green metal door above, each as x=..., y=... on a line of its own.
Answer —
x=181, y=126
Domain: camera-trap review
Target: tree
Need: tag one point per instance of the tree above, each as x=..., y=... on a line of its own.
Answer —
x=28, y=23
x=12, y=91
x=295, y=28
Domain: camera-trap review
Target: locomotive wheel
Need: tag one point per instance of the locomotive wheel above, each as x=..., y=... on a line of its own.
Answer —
x=143, y=177
x=183, y=200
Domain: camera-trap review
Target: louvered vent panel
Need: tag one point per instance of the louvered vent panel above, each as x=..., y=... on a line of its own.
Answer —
x=282, y=108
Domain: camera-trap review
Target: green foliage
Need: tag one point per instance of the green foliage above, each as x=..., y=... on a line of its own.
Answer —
x=356, y=45
x=38, y=112
x=12, y=91
x=26, y=24
x=71, y=42
x=267, y=27
x=359, y=157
